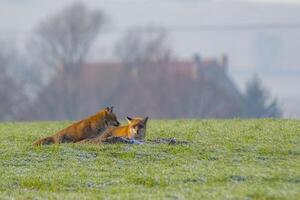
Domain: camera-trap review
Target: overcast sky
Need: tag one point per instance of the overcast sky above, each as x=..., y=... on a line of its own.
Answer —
x=269, y=1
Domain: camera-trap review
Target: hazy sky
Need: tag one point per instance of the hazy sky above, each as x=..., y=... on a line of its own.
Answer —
x=273, y=53
x=259, y=1
x=269, y=1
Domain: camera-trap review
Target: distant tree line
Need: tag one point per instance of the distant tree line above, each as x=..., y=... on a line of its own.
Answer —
x=143, y=85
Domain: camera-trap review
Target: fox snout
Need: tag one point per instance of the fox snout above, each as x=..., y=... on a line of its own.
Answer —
x=116, y=123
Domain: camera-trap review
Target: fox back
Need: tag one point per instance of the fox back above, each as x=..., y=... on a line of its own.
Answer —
x=91, y=126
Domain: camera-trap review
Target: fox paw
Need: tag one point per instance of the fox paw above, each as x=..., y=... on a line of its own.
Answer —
x=135, y=142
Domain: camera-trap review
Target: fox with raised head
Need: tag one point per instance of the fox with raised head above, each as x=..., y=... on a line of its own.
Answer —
x=91, y=126
x=135, y=129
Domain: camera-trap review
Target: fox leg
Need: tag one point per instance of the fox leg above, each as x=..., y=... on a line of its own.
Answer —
x=113, y=140
x=66, y=139
x=97, y=140
x=90, y=140
x=43, y=141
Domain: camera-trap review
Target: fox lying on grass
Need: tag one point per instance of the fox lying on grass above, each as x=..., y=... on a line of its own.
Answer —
x=91, y=126
x=135, y=129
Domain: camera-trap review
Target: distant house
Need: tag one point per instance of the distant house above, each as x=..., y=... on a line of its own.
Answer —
x=164, y=89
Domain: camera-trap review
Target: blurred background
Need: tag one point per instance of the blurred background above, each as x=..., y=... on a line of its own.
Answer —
x=162, y=58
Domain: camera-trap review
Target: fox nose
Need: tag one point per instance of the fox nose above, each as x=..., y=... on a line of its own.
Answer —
x=117, y=123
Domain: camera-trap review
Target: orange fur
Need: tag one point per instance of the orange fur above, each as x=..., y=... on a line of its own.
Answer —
x=91, y=126
x=135, y=129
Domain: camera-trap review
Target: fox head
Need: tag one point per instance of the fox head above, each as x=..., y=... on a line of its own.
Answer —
x=110, y=117
x=138, y=127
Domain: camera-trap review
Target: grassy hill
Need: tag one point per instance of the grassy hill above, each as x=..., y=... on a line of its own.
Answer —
x=224, y=159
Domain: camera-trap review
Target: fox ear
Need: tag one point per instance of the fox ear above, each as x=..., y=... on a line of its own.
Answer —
x=129, y=119
x=145, y=119
x=109, y=109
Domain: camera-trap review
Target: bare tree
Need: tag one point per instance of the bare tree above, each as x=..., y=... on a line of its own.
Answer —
x=64, y=40
x=12, y=99
x=140, y=45
x=144, y=53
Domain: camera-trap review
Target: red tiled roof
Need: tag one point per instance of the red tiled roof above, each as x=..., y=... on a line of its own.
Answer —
x=92, y=71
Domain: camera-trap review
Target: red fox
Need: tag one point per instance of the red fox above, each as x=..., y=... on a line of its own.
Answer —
x=91, y=126
x=135, y=129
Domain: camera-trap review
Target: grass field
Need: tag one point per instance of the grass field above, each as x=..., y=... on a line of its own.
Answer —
x=225, y=159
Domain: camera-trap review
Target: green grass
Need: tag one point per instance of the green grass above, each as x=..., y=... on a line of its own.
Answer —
x=225, y=159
